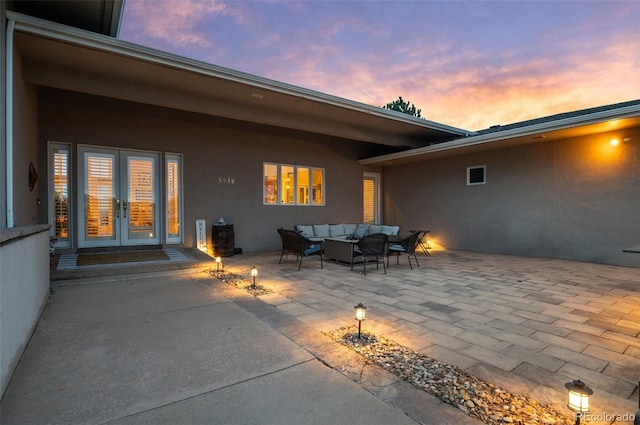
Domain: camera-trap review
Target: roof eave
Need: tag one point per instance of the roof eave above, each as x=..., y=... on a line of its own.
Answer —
x=43, y=28
x=487, y=139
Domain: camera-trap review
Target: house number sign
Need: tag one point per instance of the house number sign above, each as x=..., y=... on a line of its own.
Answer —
x=226, y=180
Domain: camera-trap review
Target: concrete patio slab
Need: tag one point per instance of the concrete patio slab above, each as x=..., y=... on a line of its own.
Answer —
x=168, y=348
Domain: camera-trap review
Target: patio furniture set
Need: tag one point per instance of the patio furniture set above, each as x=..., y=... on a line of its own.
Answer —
x=351, y=244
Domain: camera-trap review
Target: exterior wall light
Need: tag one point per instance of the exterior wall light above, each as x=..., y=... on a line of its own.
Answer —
x=360, y=316
x=578, y=397
x=218, y=263
x=614, y=142
x=429, y=244
x=254, y=273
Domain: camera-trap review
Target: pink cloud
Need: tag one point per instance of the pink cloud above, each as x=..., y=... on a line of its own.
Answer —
x=176, y=22
x=458, y=77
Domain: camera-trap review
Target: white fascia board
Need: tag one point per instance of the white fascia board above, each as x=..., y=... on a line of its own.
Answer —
x=47, y=29
x=531, y=130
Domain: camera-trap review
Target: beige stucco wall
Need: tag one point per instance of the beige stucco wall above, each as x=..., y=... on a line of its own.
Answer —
x=574, y=199
x=24, y=289
x=213, y=148
x=26, y=210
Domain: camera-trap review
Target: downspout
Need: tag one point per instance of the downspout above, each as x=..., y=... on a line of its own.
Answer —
x=9, y=120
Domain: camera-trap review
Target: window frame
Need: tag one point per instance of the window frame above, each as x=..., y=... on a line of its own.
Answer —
x=375, y=178
x=297, y=185
x=53, y=146
x=177, y=158
x=484, y=175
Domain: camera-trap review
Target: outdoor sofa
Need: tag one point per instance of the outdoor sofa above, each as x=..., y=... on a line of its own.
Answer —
x=339, y=240
x=319, y=232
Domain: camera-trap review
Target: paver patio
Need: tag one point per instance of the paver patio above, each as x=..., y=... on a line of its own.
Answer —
x=527, y=324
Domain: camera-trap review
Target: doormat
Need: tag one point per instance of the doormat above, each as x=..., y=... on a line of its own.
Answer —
x=113, y=259
x=121, y=257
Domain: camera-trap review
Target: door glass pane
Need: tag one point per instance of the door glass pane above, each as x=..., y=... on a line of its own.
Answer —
x=303, y=186
x=317, y=183
x=99, y=197
x=141, y=200
x=60, y=159
x=270, y=184
x=173, y=200
x=369, y=200
x=287, y=184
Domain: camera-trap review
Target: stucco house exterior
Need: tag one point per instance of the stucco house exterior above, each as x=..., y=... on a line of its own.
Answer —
x=107, y=144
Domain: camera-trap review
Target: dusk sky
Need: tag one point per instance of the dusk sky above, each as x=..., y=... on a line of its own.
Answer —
x=468, y=64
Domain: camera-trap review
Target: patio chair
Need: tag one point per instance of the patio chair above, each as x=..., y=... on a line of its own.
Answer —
x=374, y=245
x=408, y=245
x=421, y=244
x=294, y=242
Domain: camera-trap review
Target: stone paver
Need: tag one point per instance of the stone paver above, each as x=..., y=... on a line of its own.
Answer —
x=524, y=323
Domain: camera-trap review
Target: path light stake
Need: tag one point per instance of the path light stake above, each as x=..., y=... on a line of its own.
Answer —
x=254, y=273
x=218, y=263
x=360, y=316
x=578, y=397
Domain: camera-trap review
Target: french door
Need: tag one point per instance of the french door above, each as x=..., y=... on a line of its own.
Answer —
x=119, y=197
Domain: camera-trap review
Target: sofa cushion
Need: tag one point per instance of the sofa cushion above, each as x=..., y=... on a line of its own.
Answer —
x=390, y=230
x=350, y=229
x=336, y=230
x=374, y=228
x=306, y=231
x=361, y=230
x=321, y=231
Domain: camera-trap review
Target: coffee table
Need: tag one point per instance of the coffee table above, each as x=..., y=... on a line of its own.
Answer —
x=340, y=249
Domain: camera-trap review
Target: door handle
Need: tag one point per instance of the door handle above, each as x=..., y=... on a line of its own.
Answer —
x=124, y=207
x=117, y=208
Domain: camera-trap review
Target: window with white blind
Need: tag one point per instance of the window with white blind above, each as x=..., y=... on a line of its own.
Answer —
x=173, y=165
x=100, y=193
x=285, y=184
x=370, y=198
x=59, y=199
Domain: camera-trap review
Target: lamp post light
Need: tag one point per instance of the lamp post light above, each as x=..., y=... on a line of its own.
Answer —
x=360, y=316
x=578, y=397
x=254, y=273
x=218, y=263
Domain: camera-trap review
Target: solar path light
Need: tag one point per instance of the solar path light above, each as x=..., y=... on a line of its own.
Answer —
x=579, y=395
x=360, y=316
x=254, y=273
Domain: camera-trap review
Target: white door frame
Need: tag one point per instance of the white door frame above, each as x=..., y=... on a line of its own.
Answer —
x=120, y=197
x=376, y=182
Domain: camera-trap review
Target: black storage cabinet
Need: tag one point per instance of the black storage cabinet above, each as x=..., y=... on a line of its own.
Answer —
x=222, y=240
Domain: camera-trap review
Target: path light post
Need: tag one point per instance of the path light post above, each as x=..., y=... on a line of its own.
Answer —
x=579, y=395
x=360, y=316
x=254, y=273
x=218, y=263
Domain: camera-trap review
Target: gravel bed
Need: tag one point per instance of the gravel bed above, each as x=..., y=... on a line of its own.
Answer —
x=240, y=282
x=487, y=402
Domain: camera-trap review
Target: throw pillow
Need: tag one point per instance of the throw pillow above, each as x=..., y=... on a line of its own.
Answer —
x=361, y=230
